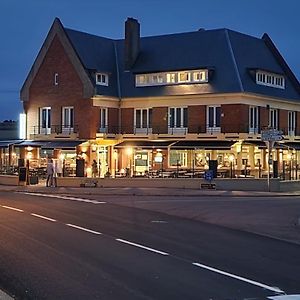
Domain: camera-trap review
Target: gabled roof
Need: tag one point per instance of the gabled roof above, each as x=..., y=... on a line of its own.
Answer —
x=58, y=30
x=230, y=55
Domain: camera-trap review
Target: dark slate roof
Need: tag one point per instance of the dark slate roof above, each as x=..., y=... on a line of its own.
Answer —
x=228, y=54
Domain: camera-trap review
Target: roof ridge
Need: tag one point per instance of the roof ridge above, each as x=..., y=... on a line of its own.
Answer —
x=89, y=34
x=234, y=60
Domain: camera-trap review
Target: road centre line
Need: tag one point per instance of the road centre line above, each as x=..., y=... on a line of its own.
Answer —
x=84, y=229
x=43, y=217
x=64, y=197
x=264, y=286
x=141, y=246
x=12, y=208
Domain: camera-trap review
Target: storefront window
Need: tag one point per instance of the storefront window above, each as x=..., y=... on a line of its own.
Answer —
x=178, y=158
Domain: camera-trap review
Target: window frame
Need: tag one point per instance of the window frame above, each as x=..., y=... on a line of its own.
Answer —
x=141, y=125
x=68, y=119
x=102, y=76
x=270, y=79
x=216, y=119
x=103, y=122
x=254, y=119
x=292, y=121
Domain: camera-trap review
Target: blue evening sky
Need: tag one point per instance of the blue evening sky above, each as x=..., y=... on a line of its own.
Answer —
x=25, y=24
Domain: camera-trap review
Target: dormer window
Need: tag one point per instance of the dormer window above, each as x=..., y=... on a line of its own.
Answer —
x=270, y=79
x=102, y=79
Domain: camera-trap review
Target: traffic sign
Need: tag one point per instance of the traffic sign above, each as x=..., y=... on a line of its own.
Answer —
x=209, y=175
x=271, y=135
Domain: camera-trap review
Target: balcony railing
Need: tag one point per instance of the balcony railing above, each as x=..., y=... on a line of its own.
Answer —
x=54, y=129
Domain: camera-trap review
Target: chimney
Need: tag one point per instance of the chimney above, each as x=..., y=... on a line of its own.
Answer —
x=132, y=42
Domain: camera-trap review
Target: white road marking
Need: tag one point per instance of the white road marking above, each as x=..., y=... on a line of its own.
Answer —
x=84, y=229
x=12, y=208
x=264, y=286
x=141, y=246
x=64, y=197
x=285, y=297
x=43, y=217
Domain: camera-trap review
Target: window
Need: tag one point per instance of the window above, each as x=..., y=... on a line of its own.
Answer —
x=103, y=119
x=170, y=78
x=213, y=119
x=143, y=119
x=270, y=79
x=67, y=119
x=178, y=118
x=45, y=120
x=253, y=119
x=291, y=123
x=56, y=79
x=184, y=77
x=273, y=118
x=101, y=79
x=178, y=158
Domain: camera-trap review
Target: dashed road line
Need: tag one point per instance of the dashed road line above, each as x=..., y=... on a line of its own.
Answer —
x=64, y=197
x=43, y=217
x=141, y=246
x=84, y=229
x=264, y=286
x=12, y=208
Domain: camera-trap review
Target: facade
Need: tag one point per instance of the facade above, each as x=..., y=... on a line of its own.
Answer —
x=161, y=105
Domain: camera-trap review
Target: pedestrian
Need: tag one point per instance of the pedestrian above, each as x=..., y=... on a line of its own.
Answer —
x=94, y=168
x=55, y=172
x=50, y=170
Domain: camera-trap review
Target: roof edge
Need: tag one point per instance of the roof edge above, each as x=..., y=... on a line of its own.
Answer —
x=271, y=46
x=57, y=29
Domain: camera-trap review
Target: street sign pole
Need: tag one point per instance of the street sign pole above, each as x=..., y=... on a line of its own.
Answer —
x=270, y=136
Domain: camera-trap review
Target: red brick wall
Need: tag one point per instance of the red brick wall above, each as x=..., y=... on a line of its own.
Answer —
x=160, y=120
x=68, y=92
x=113, y=120
x=283, y=120
x=264, y=117
x=234, y=118
x=127, y=119
x=197, y=119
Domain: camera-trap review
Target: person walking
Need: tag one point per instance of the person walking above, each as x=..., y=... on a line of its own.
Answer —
x=55, y=172
x=50, y=170
x=94, y=168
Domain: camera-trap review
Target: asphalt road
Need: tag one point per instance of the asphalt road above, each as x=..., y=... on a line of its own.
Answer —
x=72, y=248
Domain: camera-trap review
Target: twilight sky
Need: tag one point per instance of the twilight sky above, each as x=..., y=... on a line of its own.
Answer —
x=25, y=24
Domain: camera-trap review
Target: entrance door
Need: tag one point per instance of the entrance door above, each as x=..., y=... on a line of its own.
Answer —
x=45, y=120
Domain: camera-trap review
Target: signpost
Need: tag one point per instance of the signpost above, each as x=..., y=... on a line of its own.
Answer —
x=208, y=176
x=270, y=136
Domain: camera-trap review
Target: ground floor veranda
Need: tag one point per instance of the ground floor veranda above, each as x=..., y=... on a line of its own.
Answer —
x=145, y=158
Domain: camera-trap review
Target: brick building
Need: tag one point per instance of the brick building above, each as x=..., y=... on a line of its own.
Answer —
x=172, y=102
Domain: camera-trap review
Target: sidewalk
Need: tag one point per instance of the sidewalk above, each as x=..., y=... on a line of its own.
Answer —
x=41, y=188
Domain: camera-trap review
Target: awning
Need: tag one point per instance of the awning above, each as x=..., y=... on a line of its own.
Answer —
x=6, y=144
x=66, y=145
x=51, y=144
x=208, y=145
x=31, y=143
x=144, y=144
x=292, y=145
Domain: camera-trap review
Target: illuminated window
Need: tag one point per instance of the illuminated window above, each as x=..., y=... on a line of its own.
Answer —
x=101, y=79
x=171, y=77
x=184, y=77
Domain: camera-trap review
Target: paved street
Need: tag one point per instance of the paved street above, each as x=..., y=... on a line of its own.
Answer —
x=57, y=246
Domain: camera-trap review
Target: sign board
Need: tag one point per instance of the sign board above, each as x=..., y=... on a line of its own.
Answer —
x=271, y=135
x=209, y=175
x=208, y=186
x=23, y=173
